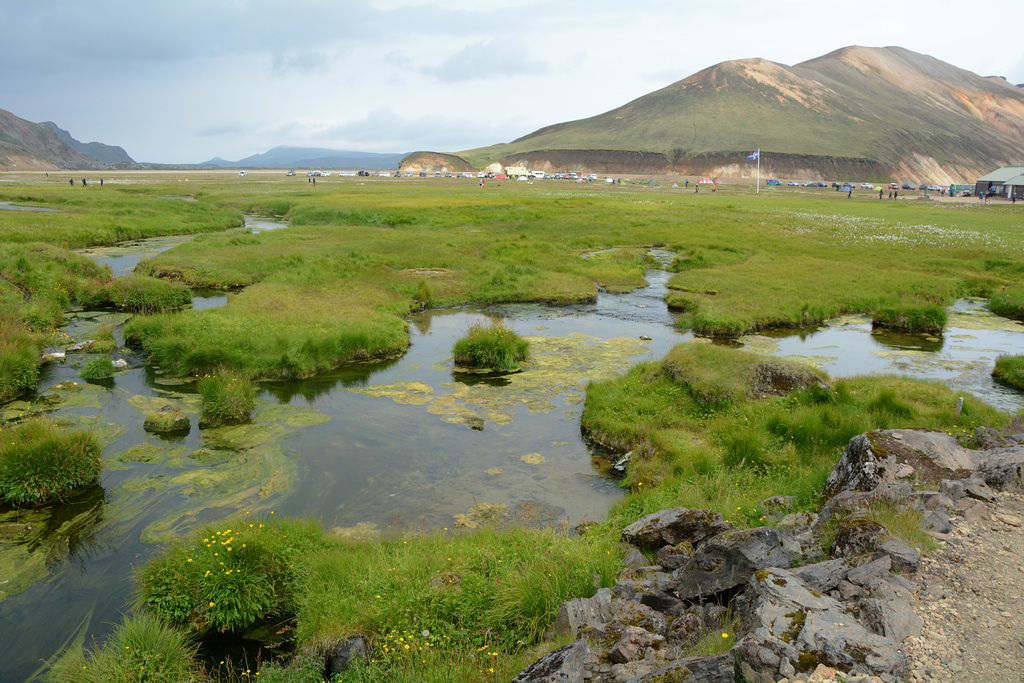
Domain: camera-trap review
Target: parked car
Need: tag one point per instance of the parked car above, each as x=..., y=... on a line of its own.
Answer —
x=907, y=186
x=893, y=186
x=935, y=188
x=772, y=181
x=241, y=174
x=290, y=173
x=820, y=184
x=867, y=186
x=923, y=186
x=793, y=183
x=809, y=183
x=437, y=174
x=423, y=174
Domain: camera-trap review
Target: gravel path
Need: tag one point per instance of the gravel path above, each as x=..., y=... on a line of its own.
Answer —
x=972, y=598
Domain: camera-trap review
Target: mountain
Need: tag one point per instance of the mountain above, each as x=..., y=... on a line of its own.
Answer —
x=93, y=150
x=44, y=146
x=312, y=157
x=855, y=113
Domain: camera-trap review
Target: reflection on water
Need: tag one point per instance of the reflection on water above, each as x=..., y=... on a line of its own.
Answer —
x=962, y=357
x=17, y=207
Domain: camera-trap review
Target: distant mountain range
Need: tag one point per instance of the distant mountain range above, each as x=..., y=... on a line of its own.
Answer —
x=856, y=113
x=45, y=146
x=312, y=158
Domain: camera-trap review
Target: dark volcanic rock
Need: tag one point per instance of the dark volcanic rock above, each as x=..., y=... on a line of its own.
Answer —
x=673, y=526
x=728, y=560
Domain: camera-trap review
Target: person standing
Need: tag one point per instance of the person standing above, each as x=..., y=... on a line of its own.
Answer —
x=849, y=193
x=71, y=181
x=895, y=194
x=879, y=194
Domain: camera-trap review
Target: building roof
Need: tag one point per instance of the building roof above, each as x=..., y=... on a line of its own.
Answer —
x=1016, y=180
x=1003, y=174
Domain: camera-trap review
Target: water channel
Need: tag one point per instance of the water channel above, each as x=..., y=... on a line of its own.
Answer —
x=403, y=445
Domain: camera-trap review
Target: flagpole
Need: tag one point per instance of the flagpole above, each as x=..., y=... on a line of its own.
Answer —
x=758, y=171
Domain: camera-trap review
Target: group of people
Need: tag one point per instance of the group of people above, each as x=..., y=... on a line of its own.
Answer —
x=71, y=181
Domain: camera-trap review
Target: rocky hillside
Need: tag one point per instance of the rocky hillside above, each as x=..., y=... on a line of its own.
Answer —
x=856, y=113
x=44, y=146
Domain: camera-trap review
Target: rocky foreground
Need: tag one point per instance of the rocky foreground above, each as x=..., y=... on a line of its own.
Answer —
x=874, y=611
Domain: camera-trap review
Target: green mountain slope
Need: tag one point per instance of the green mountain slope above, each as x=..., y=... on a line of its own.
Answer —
x=875, y=111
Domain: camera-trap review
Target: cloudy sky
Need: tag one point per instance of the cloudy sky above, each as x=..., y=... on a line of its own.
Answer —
x=188, y=80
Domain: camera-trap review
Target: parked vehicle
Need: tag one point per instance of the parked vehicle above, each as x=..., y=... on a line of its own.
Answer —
x=867, y=186
x=935, y=188
x=793, y=183
x=241, y=174
x=423, y=174
x=923, y=186
x=907, y=186
x=820, y=184
x=290, y=173
x=772, y=181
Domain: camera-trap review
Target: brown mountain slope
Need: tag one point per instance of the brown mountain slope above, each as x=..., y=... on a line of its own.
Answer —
x=857, y=112
x=37, y=146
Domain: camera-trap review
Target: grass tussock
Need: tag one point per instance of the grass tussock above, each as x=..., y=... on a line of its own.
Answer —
x=495, y=347
x=97, y=368
x=910, y=315
x=40, y=462
x=1009, y=370
x=142, y=649
x=1009, y=302
x=227, y=398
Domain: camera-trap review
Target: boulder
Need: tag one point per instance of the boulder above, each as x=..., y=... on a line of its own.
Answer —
x=708, y=669
x=564, y=665
x=883, y=606
x=884, y=456
x=787, y=625
x=857, y=536
x=632, y=644
x=577, y=613
x=727, y=561
x=52, y=353
x=674, y=556
x=904, y=558
x=824, y=576
x=673, y=526
x=341, y=658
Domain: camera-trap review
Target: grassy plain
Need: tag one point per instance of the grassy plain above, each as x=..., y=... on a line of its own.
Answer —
x=360, y=254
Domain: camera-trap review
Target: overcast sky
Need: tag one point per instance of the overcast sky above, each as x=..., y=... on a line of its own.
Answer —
x=188, y=80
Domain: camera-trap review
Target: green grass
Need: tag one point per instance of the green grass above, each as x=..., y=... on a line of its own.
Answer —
x=142, y=649
x=910, y=315
x=1009, y=302
x=97, y=368
x=40, y=462
x=465, y=603
x=1009, y=370
x=493, y=347
x=730, y=455
x=227, y=398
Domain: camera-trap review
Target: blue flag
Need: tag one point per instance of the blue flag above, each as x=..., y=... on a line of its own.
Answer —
x=754, y=155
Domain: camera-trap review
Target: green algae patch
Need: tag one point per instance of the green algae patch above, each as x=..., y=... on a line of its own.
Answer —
x=243, y=436
x=291, y=416
x=149, y=453
x=758, y=343
x=362, y=532
x=154, y=404
x=413, y=393
x=246, y=481
x=981, y=319
x=533, y=459
x=556, y=374
x=36, y=542
x=482, y=513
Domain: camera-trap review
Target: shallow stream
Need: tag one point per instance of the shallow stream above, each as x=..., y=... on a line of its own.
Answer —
x=403, y=445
